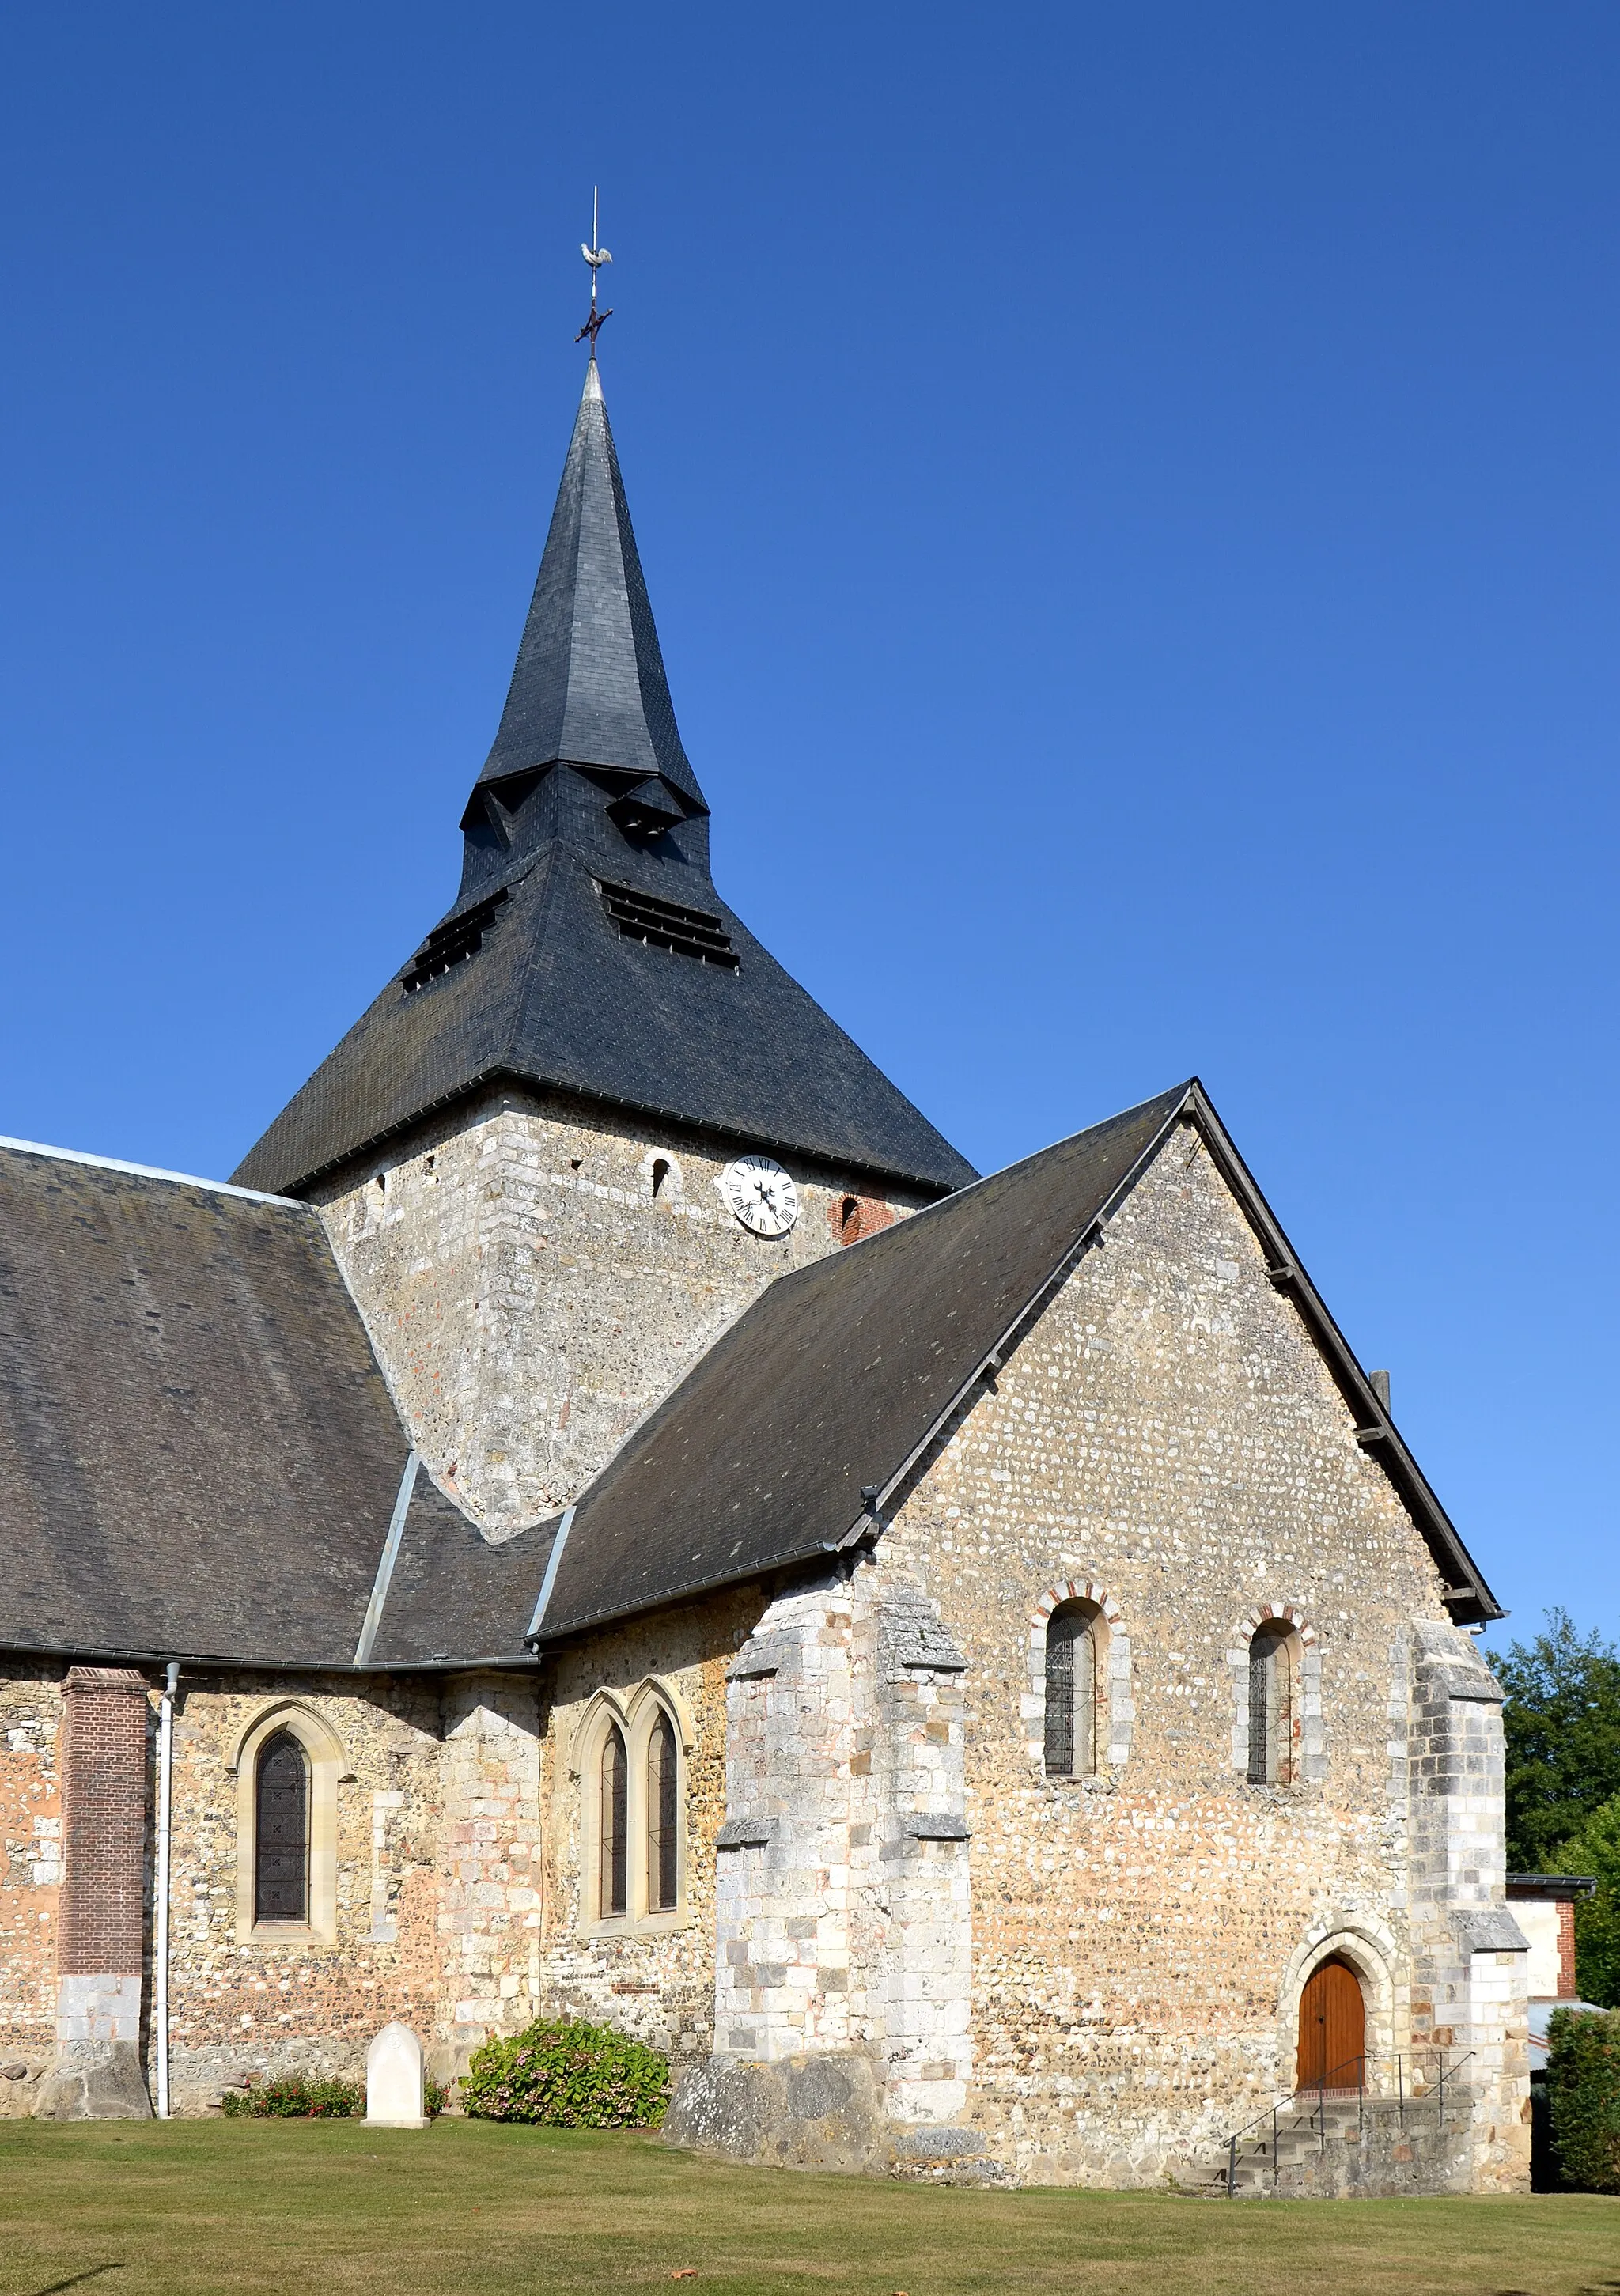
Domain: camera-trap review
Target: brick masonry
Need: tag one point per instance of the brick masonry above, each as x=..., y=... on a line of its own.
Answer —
x=104, y=1794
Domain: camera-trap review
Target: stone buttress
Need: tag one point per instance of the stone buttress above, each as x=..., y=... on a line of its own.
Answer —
x=1470, y=1957
x=843, y=1934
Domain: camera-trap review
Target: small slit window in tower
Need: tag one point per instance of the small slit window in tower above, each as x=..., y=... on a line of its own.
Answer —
x=452, y=943
x=661, y=1173
x=849, y=1220
x=668, y=924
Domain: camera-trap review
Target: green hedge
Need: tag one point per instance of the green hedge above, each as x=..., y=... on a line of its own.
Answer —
x=569, y=2075
x=1584, y=2098
x=298, y=2099
x=294, y=2098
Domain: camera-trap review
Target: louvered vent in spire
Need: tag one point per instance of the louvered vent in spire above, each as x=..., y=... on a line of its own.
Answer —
x=452, y=943
x=669, y=924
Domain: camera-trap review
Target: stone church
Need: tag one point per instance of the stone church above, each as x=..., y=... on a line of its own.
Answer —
x=606, y=1512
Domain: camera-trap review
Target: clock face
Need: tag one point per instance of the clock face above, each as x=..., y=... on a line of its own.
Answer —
x=761, y=1195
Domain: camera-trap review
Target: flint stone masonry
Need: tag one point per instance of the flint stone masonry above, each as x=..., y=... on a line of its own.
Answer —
x=272, y=2000
x=654, y=1978
x=534, y=1284
x=1096, y=1979
x=898, y=1946
x=1169, y=1434
x=30, y=1884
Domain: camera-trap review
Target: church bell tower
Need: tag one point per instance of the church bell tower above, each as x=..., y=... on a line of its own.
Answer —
x=589, y=1117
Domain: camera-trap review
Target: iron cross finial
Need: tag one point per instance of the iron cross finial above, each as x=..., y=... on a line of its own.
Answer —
x=596, y=255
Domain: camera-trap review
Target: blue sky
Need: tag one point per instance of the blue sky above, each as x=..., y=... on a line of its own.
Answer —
x=1129, y=496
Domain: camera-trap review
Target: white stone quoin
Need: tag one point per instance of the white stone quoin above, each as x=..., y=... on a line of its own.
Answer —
x=393, y=2080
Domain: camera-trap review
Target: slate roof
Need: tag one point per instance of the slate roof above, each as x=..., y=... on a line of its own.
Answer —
x=528, y=980
x=837, y=1379
x=589, y=683
x=198, y=1454
x=557, y=996
x=199, y=1457
x=834, y=1380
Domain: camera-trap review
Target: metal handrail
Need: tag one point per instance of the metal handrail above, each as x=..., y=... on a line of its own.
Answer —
x=1316, y=2116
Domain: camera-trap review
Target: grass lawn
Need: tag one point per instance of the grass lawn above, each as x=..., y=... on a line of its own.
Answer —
x=469, y=2209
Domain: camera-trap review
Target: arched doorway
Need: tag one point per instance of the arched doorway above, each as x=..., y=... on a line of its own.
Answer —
x=1332, y=2028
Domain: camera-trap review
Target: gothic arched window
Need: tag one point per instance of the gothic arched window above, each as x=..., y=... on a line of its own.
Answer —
x=1071, y=1691
x=281, y=1834
x=613, y=1837
x=1273, y=1704
x=663, y=1786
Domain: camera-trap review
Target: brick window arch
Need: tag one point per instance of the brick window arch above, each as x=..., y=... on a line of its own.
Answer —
x=1077, y=1710
x=1277, y=1737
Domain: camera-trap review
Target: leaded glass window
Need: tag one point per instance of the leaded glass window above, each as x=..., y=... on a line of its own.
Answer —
x=613, y=1843
x=281, y=1842
x=1071, y=1692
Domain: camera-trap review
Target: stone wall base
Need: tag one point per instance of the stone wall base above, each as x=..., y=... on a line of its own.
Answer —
x=95, y=2080
x=1376, y=2154
x=819, y=2112
x=804, y=2112
x=199, y=2078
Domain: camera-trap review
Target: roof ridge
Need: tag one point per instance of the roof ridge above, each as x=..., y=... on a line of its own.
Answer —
x=147, y=1171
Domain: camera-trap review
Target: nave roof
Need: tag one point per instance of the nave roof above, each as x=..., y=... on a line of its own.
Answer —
x=200, y=1457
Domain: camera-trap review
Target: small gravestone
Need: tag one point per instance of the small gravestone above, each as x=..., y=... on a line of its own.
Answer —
x=393, y=2080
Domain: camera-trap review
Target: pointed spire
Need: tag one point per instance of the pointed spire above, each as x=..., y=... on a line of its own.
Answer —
x=590, y=687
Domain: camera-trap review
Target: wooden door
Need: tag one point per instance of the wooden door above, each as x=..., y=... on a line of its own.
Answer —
x=1332, y=2028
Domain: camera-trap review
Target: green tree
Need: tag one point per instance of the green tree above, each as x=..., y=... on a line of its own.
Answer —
x=1595, y=1850
x=1562, y=1720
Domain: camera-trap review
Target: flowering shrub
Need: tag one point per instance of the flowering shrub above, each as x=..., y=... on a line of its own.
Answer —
x=294, y=2098
x=569, y=2075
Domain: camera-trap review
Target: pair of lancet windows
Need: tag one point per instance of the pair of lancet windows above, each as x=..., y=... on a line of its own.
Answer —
x=636, y=1786
x=1076, y=1682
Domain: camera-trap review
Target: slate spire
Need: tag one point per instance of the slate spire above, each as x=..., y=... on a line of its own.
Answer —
x=588, y=951
x=590, y=687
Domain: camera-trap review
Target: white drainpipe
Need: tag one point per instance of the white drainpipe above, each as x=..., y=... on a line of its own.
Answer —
x=159, y=1912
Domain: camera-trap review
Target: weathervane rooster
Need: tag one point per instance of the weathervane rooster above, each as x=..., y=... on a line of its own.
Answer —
x=596, y=255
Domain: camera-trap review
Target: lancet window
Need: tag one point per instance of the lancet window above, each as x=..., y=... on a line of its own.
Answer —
x=1071, y=1636
x=281, y=1834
